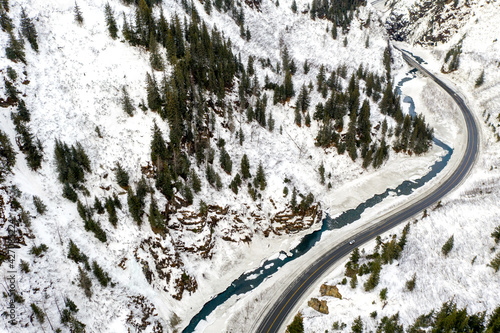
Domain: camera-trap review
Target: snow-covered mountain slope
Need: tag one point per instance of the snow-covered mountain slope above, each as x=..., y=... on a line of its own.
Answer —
x=469, y=214
x=73, y=89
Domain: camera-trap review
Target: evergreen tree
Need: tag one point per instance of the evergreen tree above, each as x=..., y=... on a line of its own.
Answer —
x=374, y=278
x=111, y=209
x=28, y=30
x=15, y=49
x=78, y=14
x=69, y=193
x=110, y=21
x=334, y=31
x=321, y=77
x=208, y=7
x=38, y=312
x=388, y=60
x=98, y=206
x=155, y=218
x=225, y=160
x=364, y=125
x=321, y=171
x=306, y=67
x=410, y=284
x=260, y=178
x=134, y=206
x=298, y=117
x=100, y=274
x=303, y=100
x=448, y=246
x=155, y=58
x=480, y=80
x=496, y=234
x=245, y=167
x=357, y=325
x=5, y=20
x=495, y=262
x=297, y=325
x=195, y=181
x=158, y=148
x=84, y=282
x=350, y=141
x=127, y=105
x=294, y=6
x=121, y=176
x=308, y=120
x=75, y=254
x=7, y=156
x=288, y=85
x=40, y=207
x=154, y=100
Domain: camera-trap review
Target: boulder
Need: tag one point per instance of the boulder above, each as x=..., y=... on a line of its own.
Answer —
x=326, y=290
x=318, y=305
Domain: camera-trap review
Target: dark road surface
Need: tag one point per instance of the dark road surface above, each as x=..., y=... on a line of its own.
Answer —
x=274, y=318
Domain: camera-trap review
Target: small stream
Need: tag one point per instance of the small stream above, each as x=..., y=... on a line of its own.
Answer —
x=248, y=281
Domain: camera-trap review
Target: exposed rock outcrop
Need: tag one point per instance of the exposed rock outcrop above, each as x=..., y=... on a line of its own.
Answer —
x=327, y=290
x=318, y=305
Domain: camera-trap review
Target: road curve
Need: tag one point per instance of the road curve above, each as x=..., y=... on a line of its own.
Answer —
x=273, y=319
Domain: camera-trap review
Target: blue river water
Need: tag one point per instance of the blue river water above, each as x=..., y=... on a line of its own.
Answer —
x=248, y=281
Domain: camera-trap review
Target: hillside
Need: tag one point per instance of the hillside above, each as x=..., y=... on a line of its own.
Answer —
x=423, y=278
x=133, y=146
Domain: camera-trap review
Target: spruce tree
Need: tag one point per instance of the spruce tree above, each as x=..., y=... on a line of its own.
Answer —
x=78, y=14
x=294, y=6
x=28, y=30
x=127, y=105
x=245, y=167
x=110, y=21
x=306, y=67
x=7, y=156
x=155, y=218
x=260, y=178
x=208, y=7
x=298, y=117
x=134, y=206
x=195, y=181
x=357, y=325
x=334, y=31
x=448, y=246
x=364, y=125
x=496, y=234
x=297, y=325
x=15, y=49
x=321, y=171
x=69, y=193
x=121, y=176
x=480, y=80
x=288, y=84
x=155, y=57
x=154, y=99
x=158, y=148
x=84, y=282
x=100, y=274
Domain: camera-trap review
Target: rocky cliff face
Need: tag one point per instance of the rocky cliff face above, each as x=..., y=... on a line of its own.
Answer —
x=428, y=22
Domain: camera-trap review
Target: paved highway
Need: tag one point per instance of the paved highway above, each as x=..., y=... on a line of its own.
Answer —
x=273, y=319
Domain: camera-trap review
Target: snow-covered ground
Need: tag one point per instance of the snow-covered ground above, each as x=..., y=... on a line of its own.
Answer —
x=75, y=86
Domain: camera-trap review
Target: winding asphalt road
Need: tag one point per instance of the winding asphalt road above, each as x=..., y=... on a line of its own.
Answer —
x=274, y=318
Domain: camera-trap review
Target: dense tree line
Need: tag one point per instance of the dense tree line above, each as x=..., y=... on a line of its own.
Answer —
x=340, y=12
